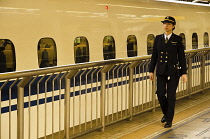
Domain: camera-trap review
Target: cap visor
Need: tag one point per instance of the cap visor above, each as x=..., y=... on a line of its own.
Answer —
x=166, y=22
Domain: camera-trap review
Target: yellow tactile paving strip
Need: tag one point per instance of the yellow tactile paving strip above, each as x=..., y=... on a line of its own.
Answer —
x=148, y=125
x=155, y=127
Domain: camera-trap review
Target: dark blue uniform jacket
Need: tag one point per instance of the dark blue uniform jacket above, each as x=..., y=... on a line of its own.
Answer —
x=165, y=57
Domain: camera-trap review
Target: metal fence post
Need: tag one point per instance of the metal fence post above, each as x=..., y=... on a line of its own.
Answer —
x=189, y=82
x=104, y=70
x=20, y=107
x=130, y=104
x=67, y=103
x=203, y=71
x=154, y=91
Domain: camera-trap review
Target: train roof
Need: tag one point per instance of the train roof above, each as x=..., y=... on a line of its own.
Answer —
x=189, y=2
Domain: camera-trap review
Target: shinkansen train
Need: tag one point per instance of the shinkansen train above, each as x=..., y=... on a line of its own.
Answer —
x=43, y=34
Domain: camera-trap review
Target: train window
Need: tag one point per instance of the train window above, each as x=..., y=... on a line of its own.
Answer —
x=150, y=43
x=81, y=50
x=194, y=41
x=109, y=47
x=206, y=39
x=183, y=40
x=47, y=53
x=7, y=56
x=131, y=46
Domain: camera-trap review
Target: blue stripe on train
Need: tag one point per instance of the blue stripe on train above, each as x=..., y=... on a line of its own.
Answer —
x=76, y=93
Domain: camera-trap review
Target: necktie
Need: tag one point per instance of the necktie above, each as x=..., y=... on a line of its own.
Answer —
x=166, y=40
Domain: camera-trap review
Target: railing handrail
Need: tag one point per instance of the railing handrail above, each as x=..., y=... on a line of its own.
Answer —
x=34, y=72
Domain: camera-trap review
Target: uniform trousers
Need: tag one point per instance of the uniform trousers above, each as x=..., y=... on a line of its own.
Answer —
x=166, y=93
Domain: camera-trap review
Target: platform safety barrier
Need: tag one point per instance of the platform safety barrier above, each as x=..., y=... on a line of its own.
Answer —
x=69, y=101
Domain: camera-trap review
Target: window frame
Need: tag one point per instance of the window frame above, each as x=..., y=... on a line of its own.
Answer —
x=47, y=61
x=84, y=53
x=9, y=65
x=183, y=38
x=196, y=44
x=204, y=41
x=132, y=52
x=150, y=48
x=111, y=47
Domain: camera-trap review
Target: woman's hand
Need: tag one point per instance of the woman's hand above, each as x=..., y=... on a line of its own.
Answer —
x=184, y=78
x=151, y=76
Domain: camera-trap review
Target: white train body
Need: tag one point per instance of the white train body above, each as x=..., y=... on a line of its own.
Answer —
x=26, y=22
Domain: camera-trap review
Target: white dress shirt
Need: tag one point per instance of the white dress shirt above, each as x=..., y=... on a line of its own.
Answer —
x=167, y=36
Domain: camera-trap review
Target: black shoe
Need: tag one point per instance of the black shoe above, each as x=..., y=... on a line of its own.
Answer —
x=168, y=124
x=163, y=120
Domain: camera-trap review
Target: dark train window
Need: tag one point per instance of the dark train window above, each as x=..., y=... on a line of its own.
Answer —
x=150, y=43
x=206, y=39
x=7, y=56
x=81, y=50
x=194, y=41
x=47, y=53
x=109, y=47
x=183, y=40
x=131, y=46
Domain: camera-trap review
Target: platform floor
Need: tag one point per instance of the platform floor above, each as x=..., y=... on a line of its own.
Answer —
x=198, y=127
x=191, y=121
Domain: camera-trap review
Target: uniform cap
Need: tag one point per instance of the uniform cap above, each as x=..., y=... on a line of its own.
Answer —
x=169, y=19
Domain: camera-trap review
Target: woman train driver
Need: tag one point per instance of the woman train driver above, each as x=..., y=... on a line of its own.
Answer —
x=169, y=59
